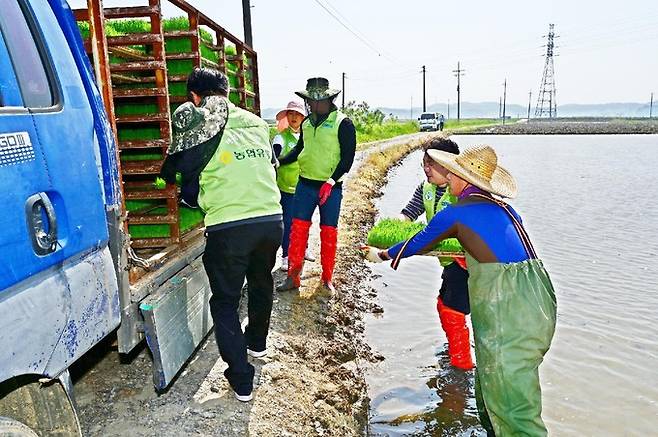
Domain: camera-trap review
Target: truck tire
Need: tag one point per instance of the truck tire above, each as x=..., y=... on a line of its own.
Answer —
x=42, y=408
x=13, y=428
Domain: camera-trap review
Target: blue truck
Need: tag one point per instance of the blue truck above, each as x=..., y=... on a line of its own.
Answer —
x=69, y=276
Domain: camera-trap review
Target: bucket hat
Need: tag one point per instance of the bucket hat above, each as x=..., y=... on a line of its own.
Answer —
x=292, y=106
x=193, y=125
x=317, y=88
x=478, y=166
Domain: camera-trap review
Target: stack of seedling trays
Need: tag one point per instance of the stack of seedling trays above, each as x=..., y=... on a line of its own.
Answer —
x=149, y=68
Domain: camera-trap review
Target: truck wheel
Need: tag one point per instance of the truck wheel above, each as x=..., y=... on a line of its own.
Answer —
x=12, y=428
x=29, y=407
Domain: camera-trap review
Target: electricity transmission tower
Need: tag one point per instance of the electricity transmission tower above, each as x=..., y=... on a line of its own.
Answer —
x=546, y=101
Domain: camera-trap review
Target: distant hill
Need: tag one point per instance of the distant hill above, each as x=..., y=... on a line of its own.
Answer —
x=490, y=110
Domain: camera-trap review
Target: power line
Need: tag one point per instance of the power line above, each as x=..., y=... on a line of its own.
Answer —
x=347, y=21
x=363, y=40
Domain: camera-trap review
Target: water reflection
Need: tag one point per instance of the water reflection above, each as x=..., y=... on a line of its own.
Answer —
x=451, y=413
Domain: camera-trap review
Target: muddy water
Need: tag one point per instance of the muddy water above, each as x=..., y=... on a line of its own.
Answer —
x=589, y=204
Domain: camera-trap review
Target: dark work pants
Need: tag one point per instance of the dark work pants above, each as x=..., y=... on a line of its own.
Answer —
x=454, y=288
x=287, y=204
x=231, y=255
x=306, y=200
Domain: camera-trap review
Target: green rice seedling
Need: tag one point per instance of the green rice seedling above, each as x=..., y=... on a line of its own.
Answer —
x=189, y=218
x=135, y=134
x=132, y=155
x=135, y=109
x=388, y=232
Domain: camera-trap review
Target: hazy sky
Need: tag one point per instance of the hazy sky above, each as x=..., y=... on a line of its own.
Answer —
x=608, y=50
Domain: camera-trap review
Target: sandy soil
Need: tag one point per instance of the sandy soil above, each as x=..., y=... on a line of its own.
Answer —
x=311, y=383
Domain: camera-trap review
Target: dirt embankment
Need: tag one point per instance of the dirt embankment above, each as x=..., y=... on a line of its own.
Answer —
x=566, y=126
x=311, y=383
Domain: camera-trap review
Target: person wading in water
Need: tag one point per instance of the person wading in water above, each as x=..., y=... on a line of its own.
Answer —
x=513, y=305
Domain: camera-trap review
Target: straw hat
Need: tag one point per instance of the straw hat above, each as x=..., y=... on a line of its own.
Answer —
x=479, y=166
x=292, y=106
x=317, y=88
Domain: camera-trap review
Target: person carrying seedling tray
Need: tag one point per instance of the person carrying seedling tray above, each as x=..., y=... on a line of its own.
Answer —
x=325, y=153
x=511, y=295
x=224, y=152
x=452, y=303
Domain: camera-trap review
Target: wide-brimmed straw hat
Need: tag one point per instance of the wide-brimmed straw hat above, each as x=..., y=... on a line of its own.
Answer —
x=317, y=88
x=292, y=106
x=478, y=166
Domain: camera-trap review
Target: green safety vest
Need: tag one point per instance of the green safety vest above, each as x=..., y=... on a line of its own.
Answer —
x=321, y=153
x=239, y=182
x=288, y=175
x=431, y=208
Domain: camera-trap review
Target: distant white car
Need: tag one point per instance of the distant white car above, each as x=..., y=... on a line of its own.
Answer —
x=430, y=121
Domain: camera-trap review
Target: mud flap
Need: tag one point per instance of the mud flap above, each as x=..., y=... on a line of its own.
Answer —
x=176, y=319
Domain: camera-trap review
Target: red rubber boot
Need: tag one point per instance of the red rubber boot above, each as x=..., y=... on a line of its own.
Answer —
x=328, y=243
x=298, y=240
x=459, y=343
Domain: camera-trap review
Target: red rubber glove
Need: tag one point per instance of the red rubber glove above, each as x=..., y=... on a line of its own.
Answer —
x=325, y=191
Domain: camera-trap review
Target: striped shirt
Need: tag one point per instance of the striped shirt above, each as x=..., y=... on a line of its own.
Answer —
x=416, y=207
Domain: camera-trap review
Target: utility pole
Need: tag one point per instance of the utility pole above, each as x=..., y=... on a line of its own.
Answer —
x=246, y=20
x=529, y=100
x=504, y=98
x=343, y=93
x=651, y=107
x=458, y=72
x=424, y=106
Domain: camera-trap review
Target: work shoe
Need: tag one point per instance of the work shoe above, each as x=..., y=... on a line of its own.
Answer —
x=244, y=398
x=329, y=286
x=288, y=285
x=284, y=264
x=257, y=354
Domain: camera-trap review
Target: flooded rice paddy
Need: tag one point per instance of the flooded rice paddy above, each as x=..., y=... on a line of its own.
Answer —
x=589, y=204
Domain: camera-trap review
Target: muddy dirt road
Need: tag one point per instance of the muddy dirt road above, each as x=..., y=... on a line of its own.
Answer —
x=312, y=381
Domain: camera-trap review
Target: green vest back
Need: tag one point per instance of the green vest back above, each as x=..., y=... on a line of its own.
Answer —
x=239, y=182
x=288, y=175
x=432, y=207
x=321, y=153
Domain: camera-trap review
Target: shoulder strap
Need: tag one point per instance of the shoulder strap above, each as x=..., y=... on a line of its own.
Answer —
x=523, y=235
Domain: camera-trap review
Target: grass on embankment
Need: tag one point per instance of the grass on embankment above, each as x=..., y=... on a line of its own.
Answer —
x=465, y=124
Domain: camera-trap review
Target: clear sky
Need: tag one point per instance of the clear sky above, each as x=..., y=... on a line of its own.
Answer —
x=607, y=50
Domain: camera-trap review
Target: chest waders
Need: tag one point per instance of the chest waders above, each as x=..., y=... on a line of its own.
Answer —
x=513, y=311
